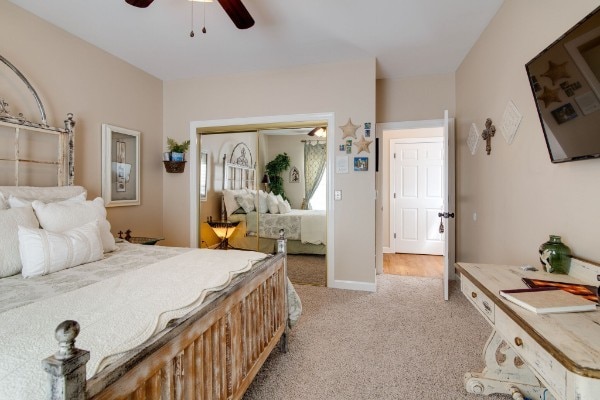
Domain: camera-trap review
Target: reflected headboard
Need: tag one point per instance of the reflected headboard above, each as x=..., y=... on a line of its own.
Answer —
x=240, y=171
x=12, y=127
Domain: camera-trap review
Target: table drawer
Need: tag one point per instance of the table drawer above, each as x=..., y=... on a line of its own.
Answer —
x=552, y=373
x=480, y=300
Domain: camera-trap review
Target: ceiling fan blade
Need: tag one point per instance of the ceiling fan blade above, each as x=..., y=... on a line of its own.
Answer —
x=139, y=3
x=237, y=12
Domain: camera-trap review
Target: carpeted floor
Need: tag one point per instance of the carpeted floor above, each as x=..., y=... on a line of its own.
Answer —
x=307, y=269
x=402, y=342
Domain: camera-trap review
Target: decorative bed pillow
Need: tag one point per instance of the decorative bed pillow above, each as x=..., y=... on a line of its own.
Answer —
x=260, y=202
x=43, y=252
x=65, y=215
x=272, y=203
x=14, y=201
x=231, y=204
x=10, y=260
x=246, y=201
x=45, y=194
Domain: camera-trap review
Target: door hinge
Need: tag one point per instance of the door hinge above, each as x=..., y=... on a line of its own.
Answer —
x=394, y=195
x=394, y=236
x=394, y=155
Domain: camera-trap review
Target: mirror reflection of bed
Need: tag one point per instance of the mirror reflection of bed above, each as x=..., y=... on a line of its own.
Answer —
x=232, y=170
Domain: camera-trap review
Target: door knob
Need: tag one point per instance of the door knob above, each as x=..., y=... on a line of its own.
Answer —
x=446, y=215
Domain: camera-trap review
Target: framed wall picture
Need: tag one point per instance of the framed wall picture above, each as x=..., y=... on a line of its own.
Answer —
x=120, y=166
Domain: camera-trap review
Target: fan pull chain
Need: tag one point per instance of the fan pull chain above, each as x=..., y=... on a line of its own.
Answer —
x=204, y=18
x=192, y=21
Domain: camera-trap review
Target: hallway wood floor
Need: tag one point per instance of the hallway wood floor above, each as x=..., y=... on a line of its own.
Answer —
x=413, y=265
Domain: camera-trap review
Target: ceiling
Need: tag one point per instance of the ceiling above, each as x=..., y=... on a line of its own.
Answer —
x=407, y=37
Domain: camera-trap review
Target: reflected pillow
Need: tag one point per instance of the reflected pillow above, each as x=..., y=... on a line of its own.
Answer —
x=231, y=204
x=43, y=252
x=65, y=215
x=284, y=206
x=246, y=201
x=260, y=202
x=10, y=259
x=272, y=203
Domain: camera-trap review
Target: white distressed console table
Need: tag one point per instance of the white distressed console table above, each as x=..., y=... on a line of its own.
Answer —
x=539, y=356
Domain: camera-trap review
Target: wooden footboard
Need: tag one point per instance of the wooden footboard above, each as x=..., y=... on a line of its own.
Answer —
x=212, y=353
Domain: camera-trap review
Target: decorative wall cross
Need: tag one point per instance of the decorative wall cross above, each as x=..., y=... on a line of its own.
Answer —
x=487, y=135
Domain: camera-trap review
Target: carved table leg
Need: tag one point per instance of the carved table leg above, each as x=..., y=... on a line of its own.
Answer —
x=505, y=373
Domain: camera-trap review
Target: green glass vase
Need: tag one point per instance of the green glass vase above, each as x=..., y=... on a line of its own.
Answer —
x=555, y=256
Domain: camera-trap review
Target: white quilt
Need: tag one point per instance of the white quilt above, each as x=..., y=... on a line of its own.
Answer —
x=313, y=225
x=117, y=315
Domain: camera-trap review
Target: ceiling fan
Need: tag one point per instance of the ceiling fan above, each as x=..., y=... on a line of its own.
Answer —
x=234, y=8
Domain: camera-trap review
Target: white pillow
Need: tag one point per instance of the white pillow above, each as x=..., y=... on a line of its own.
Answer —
x=284, y=206
x=10, y=260
x=44, y=252
x=65, y=215
x=272, y=203
x=3, y=202
x=260, y=202
x=246, y=201
x=14, y=201
x=231, y=204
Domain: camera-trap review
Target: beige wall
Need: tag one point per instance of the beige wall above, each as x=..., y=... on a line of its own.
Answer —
x=519, y=196
x=346, y=89
x=73, y=76
x=415, y=98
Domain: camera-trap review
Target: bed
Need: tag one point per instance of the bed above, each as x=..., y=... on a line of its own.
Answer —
x=161, y=322
x=262, y=214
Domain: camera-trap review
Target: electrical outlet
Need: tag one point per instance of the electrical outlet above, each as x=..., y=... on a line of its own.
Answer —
x=337, y=195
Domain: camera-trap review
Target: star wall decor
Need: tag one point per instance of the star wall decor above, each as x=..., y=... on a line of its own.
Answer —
x=556, y=72
x=349, y=130
x=363, y=145
x=549, y=96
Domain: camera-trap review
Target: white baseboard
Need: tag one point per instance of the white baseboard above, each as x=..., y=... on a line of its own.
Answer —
x=388, y=250
x=353, y=285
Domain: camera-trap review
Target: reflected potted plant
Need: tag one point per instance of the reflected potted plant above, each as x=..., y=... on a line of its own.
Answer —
x=174, y=159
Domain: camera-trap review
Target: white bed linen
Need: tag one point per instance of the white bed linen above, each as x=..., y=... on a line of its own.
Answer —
x=118, y=315
x=308, y=226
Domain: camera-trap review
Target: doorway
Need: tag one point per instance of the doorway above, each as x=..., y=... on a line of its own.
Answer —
x=408, y=264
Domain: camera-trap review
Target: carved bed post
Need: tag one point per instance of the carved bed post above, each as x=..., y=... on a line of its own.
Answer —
x=282, y=248
x=67, y=366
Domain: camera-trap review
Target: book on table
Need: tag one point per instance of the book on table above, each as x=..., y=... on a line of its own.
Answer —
x=589, y=292
x=548, y=300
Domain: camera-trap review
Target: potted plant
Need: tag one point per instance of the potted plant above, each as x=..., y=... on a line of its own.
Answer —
x=274, y=168
x=176, y=155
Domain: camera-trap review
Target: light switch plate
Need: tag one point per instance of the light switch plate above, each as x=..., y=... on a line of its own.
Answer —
x=337, y=195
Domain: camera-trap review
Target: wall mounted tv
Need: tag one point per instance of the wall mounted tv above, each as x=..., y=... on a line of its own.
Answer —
x=565, y=81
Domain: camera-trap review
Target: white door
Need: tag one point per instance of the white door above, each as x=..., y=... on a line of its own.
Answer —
x=419, y=195
x=448, y=212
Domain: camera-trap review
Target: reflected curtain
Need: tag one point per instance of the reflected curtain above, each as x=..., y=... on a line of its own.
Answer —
x=315, y=156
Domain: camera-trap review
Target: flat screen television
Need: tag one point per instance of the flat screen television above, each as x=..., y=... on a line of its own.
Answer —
x=565, y=82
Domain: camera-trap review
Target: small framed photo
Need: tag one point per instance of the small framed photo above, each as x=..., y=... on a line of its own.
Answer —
x=348, y=146
x=120, y=166
x=361, y=163
x=564, y=113
x=294, y=175
x=342, y=147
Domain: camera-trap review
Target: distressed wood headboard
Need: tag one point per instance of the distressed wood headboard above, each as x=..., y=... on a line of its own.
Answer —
x=65, y=156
